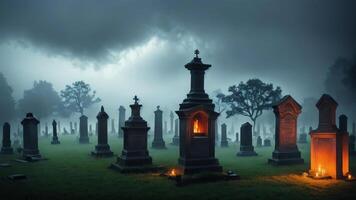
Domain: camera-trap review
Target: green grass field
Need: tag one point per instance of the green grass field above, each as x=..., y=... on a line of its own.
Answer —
x=71, y=173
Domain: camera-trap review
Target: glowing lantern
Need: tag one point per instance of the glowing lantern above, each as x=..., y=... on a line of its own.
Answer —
x=329, y=144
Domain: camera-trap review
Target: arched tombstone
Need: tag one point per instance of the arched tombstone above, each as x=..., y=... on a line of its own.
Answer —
x=83, y=130
x=6, y=140
x=30, y=137
x=286, y=149
x=224, y=142
x=246, y=147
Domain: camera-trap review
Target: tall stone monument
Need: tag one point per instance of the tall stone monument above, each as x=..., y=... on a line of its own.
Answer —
x=6, y=140
x=102, y=149
x=55, y=136
x=246, y=147
x=175, y=140
x=30, y=137
x=197, y=120
x=286, y=149
x=122, y=119
x=158, y=142
x=135, y=156
x=83, y=130
x=224, y=142
x=171, y=118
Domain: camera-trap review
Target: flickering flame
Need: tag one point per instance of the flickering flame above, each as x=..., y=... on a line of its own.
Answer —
x=196, y=127
x=321, y=171
x=349, y=176
x=173, y=173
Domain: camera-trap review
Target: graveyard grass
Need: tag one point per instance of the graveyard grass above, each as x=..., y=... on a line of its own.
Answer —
x=71, y=173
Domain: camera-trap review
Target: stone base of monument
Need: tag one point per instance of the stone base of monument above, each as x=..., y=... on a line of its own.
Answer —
x=84, y=140
x=175, y=140
x=135, y=165
x=159, y=145
x=246, y=151
x=102, y=151
x=193, y=166
x=55, y=142
x=6, y=150
x=286, y=158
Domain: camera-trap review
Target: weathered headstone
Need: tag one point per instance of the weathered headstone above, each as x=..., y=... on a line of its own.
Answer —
x=302, y=136
x=134, y=156
x=246, y=147
x=158, y=142
x=102, y=149
x=175, y=140
x=171, y=116
x=122, y=119
x=6, y=140
x=237, y=137
x=165, y=129
x=83, y=130
x=71, y=128
x=259, y=141
x=30, y=137
x=59, y=128
x=286, y=149
x=224, y=142
x=55, y=136
x=76, y=127
x=267, y=142
x=46, y=134
x=90, y=130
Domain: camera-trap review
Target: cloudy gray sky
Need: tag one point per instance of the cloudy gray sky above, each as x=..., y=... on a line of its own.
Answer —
x=132, y=47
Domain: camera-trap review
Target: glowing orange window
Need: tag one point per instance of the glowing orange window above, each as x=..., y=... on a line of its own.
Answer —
x=200, y=124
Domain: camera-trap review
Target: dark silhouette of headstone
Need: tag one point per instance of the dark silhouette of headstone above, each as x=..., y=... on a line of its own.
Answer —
x=267, y=142
x=352, y=140
x=76, y=127
x=329, y=150
x=6, y=140
x=59, y=128
x=135, y=156
x=55, y=136
x=197, y=120
x=165, y=131
x=224, y=142
x=46, y=130
x=286, y=149
x=90, y=130
x=83, y=130
x=122, y=119
x=71, y=128
x=259, y=141
x=175, y=140
x=237, y=137
x=246, y=147
x=158, y=142
x=102, y=149
x=171, y=117
x=302, y=136
x=30, y=137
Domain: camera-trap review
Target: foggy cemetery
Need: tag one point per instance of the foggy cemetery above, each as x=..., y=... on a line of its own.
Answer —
x=58, y=141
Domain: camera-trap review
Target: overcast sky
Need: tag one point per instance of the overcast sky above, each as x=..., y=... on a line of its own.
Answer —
x=123, y=48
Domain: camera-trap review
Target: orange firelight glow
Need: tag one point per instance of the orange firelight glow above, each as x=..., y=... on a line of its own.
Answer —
x=173, y=172
x=196, y=127
x=321, y=171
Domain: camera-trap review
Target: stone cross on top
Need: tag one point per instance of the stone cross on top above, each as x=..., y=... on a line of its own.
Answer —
x=136, y=99
x=196, y=52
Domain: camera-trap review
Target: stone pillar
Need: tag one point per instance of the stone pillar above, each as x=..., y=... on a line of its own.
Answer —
x=83, y=130
x=165, y=129
x=158, y=142
x=237, y=137
x=6, y=140
x=122, y=119
x=102, y=149
x=175, y=140
x=259, y=141
x=46, y=130
x=76, y=127
x=59, y=128
x=224, y=142
x=171, y=120
x=55, y=136
x=246, y=147
x=30, y=137
x=286, y=149
x=113, y=131
x=90, y=130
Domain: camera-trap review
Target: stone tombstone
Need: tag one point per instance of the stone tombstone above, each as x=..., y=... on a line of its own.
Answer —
x=224, y=142
x=267, y=142
x=102, y=149
x=237, y=137
x=352, y=140
x=175, y=140
x=83, y=130
x=165, y=129
x=135, y=155
x=59, y=127
x=6, y=140
x=71, y=128
x=286, y=149
x=46, y=130
x=158, y=142
x=171, y=117
x=76, y=127
x=197, y=120
x=90, y=130
x=122, y=119
x=302, y=136
x=55, y=135
x=259, y=141
x=246, y=147
x=30, y=137
x=113, y=131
